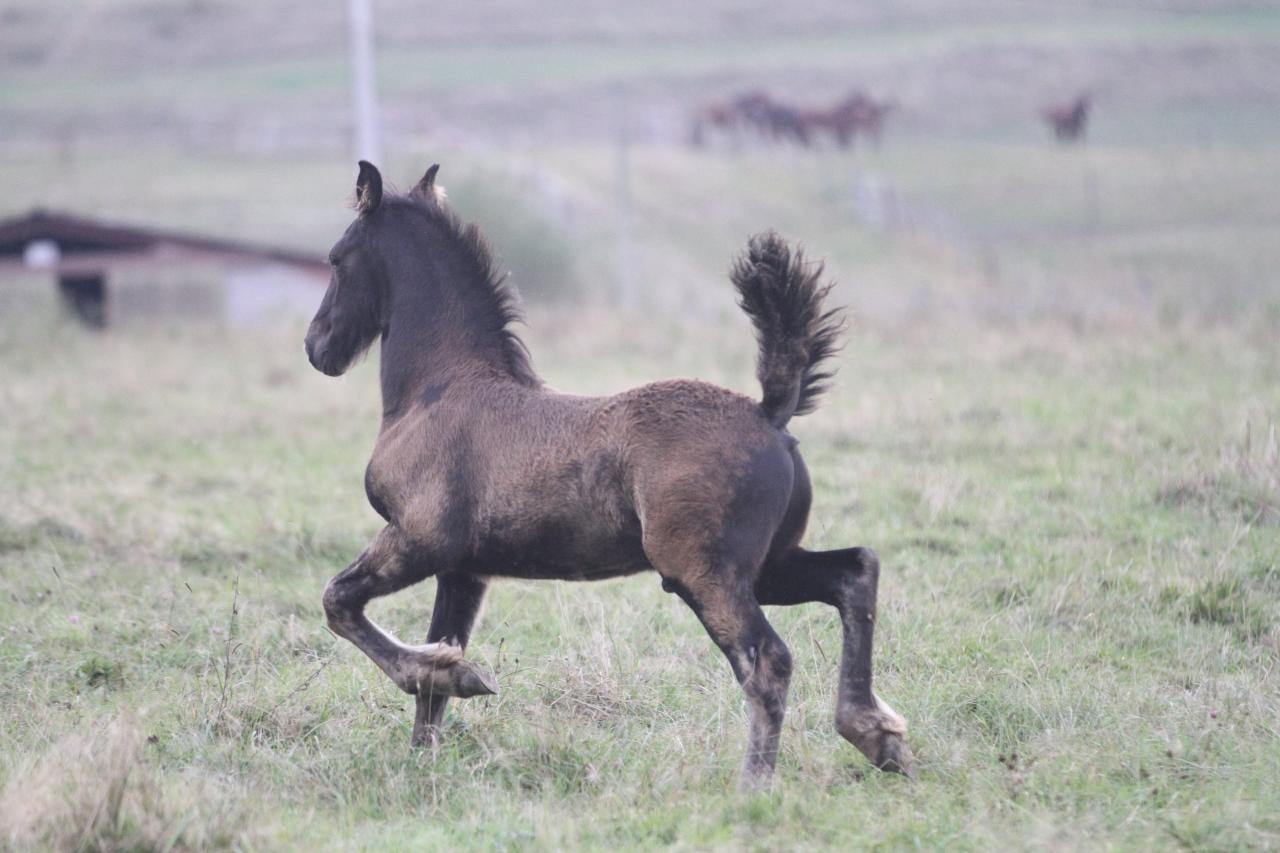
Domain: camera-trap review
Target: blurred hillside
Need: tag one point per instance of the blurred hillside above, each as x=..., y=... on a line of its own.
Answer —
x=234, y=117
x=274, y=75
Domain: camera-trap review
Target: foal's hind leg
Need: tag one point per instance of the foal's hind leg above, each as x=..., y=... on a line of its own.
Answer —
x=846, y=579
x=759, y=658
x=382, y=569
x=458, y=599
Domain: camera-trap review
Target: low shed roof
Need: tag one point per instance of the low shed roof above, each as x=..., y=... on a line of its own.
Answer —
x=82, y=236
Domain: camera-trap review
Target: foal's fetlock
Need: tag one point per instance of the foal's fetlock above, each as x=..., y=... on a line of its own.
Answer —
x=442, y=671
x=877, y=732
x=755, y=777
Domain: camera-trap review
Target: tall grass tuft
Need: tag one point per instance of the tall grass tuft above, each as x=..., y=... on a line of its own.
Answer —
x=96, y=790
x=1244, y=478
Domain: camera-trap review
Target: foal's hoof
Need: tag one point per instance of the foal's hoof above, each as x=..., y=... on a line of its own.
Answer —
x=878, y=734
x=471, y=680
x=896, y=757
x=441, y=670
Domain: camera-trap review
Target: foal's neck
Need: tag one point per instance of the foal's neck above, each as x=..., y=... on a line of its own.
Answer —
x=434, y=334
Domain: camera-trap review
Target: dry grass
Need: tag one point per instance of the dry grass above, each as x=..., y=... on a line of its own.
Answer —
x=1241, y=478
x=97, y=789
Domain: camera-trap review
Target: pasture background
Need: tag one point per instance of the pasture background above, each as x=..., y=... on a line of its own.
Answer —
x=1055, y=420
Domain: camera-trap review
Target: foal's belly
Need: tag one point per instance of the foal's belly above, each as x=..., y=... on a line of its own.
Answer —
x=557, y=550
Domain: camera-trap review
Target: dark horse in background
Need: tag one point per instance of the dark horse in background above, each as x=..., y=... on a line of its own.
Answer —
x=1069, y=120
x=755, y=112
x=482, y=472
x=856, y=114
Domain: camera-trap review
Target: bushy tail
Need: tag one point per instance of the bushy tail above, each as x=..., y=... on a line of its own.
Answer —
x=783, y=294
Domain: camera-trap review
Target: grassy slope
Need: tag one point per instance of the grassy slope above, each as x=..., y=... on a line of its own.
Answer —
x=1079, y=616
x=1167, y=212
x=411, y=69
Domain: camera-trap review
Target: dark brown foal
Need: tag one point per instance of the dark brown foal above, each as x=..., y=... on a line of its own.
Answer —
x=482, y=472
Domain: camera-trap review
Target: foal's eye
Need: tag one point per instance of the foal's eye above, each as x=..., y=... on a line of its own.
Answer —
x=333, y=260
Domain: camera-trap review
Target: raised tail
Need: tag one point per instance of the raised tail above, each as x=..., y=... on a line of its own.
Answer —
x=782, y=294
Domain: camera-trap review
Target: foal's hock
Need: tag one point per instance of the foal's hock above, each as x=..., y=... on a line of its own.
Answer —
x=481, y=472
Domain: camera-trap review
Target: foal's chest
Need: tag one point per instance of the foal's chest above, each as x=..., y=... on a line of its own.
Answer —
x=376, y=493
x=401, y=465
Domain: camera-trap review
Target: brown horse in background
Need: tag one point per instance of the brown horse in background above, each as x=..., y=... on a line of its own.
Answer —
x=753, y=111
x=480, y=471
x=856, y=114
x=1069, y=120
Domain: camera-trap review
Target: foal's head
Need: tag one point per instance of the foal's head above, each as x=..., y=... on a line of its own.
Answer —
x=354, y=310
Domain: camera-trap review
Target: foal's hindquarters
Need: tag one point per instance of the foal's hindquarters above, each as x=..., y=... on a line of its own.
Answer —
x=723, y=512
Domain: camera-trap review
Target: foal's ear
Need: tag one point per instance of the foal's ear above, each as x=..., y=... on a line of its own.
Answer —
x=426, y=188
x=368, y=188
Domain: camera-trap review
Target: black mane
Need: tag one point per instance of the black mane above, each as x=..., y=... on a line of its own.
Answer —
x=490, y=293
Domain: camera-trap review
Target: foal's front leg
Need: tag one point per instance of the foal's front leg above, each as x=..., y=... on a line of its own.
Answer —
x=384, y=568
x=458, y=600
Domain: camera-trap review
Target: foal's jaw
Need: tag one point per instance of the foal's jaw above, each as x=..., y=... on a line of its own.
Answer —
x=320, y=350
x=329, y=369
x=317, y=348
x=318, y=361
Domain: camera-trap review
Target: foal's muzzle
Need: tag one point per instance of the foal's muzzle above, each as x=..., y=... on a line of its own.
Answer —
x=317, y=347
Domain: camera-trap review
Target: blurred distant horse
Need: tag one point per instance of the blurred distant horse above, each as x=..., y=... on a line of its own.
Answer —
x=771, y=120
x=740, y=113
x=755, y=112
x=1069, y=120
x=782, y=123
x=720, y=117
x=857, y=114
x=725, y=118
x=481, y=471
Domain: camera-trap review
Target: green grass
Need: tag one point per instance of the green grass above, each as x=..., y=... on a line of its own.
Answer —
x=1079, y=612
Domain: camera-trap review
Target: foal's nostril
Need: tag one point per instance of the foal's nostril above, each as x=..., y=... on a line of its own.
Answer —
x=312, y=347
x=317, y=334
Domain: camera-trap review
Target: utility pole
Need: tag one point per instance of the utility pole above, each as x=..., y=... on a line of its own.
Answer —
x=622, y=186
x=364, y=96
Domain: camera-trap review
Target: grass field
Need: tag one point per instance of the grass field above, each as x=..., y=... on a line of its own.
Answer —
x=1056, y=421
x=1079, y=609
